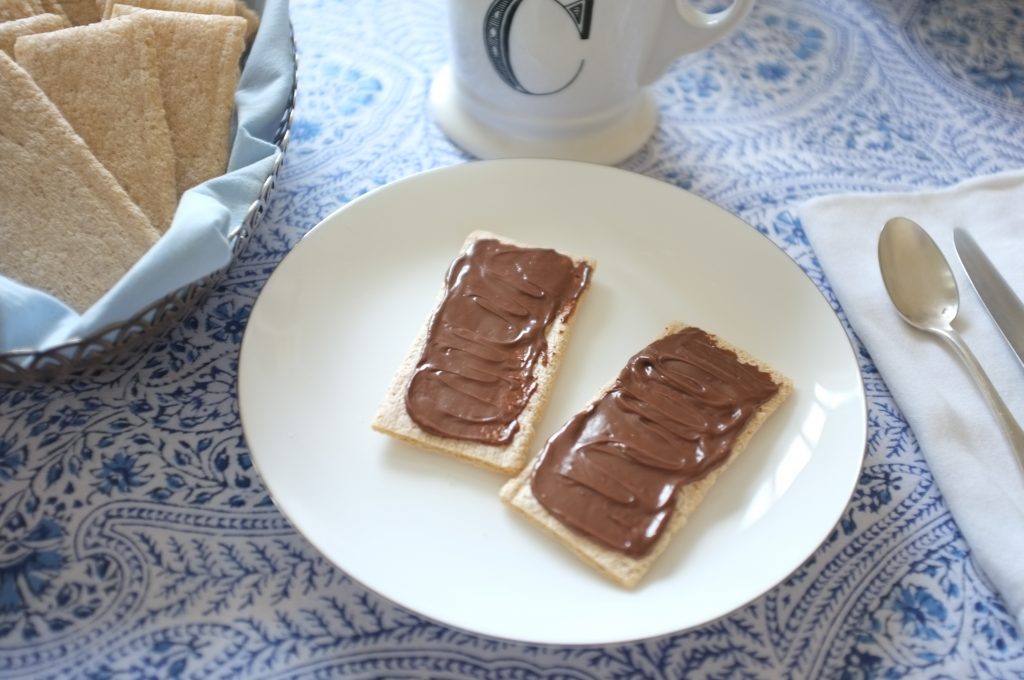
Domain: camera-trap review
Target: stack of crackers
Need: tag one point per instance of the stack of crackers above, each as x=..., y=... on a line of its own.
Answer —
x=109, y=111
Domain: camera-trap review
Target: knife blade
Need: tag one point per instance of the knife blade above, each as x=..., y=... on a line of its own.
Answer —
x=1002, y=303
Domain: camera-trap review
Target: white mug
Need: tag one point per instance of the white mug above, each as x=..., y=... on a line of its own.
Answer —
x=564, y=78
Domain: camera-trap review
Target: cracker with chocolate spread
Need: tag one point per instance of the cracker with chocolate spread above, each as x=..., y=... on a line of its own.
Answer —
x=478, y=376
x=625, y=473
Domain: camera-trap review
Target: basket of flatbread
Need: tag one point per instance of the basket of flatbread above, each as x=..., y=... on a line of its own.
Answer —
x=140, y=140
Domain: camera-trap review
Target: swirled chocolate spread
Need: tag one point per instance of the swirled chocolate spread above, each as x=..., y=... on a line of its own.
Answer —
x=487, y=337
x=672, y=416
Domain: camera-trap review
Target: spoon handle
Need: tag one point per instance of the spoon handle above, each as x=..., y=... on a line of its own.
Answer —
x=1011, y=428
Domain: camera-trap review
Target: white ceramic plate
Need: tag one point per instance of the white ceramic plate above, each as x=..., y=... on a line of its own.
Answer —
x=339, y=313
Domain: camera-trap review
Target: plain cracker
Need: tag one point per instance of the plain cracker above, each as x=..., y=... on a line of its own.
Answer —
x=252, y=19
x=53, y=7
x=224, y=7
x=67, y=226
x=105, y=81
x=81, y=12
x=198, y=108
x=208, y=7
x=19, y=9
x=10, y=31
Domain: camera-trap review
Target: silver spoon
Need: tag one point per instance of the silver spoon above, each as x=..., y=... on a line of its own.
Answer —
x=922, y=287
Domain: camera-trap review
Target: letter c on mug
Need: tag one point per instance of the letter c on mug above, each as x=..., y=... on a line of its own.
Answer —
x=498, y=26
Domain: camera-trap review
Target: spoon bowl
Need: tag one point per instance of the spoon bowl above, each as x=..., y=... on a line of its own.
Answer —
x=917, y=276
x=923, y=289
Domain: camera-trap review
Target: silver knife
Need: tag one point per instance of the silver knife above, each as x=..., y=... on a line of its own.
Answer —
x=1002, y=303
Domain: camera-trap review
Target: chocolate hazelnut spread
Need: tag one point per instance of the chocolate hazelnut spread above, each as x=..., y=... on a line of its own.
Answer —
x=672, y=416
x=487, y=337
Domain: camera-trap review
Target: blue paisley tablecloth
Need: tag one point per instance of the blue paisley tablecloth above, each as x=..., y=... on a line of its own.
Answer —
x=137, y=541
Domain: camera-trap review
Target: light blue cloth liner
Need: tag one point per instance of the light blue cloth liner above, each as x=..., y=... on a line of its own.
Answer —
x=197, y=242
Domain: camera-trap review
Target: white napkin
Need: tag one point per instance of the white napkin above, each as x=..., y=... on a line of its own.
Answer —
x=959, y=437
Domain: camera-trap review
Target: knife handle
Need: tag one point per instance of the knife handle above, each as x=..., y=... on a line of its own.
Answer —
x=1012, y=430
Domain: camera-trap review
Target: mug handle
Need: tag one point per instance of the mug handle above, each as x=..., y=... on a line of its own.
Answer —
x=687, y=29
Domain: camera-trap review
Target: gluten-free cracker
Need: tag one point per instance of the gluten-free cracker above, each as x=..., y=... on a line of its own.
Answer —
x=19, y=9
x=66, y=225
x=104, y=78
x=10, y=31
x=198, y=59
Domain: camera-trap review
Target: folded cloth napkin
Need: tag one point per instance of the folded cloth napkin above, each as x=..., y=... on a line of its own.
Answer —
x=197, y=243
x=959, y=437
